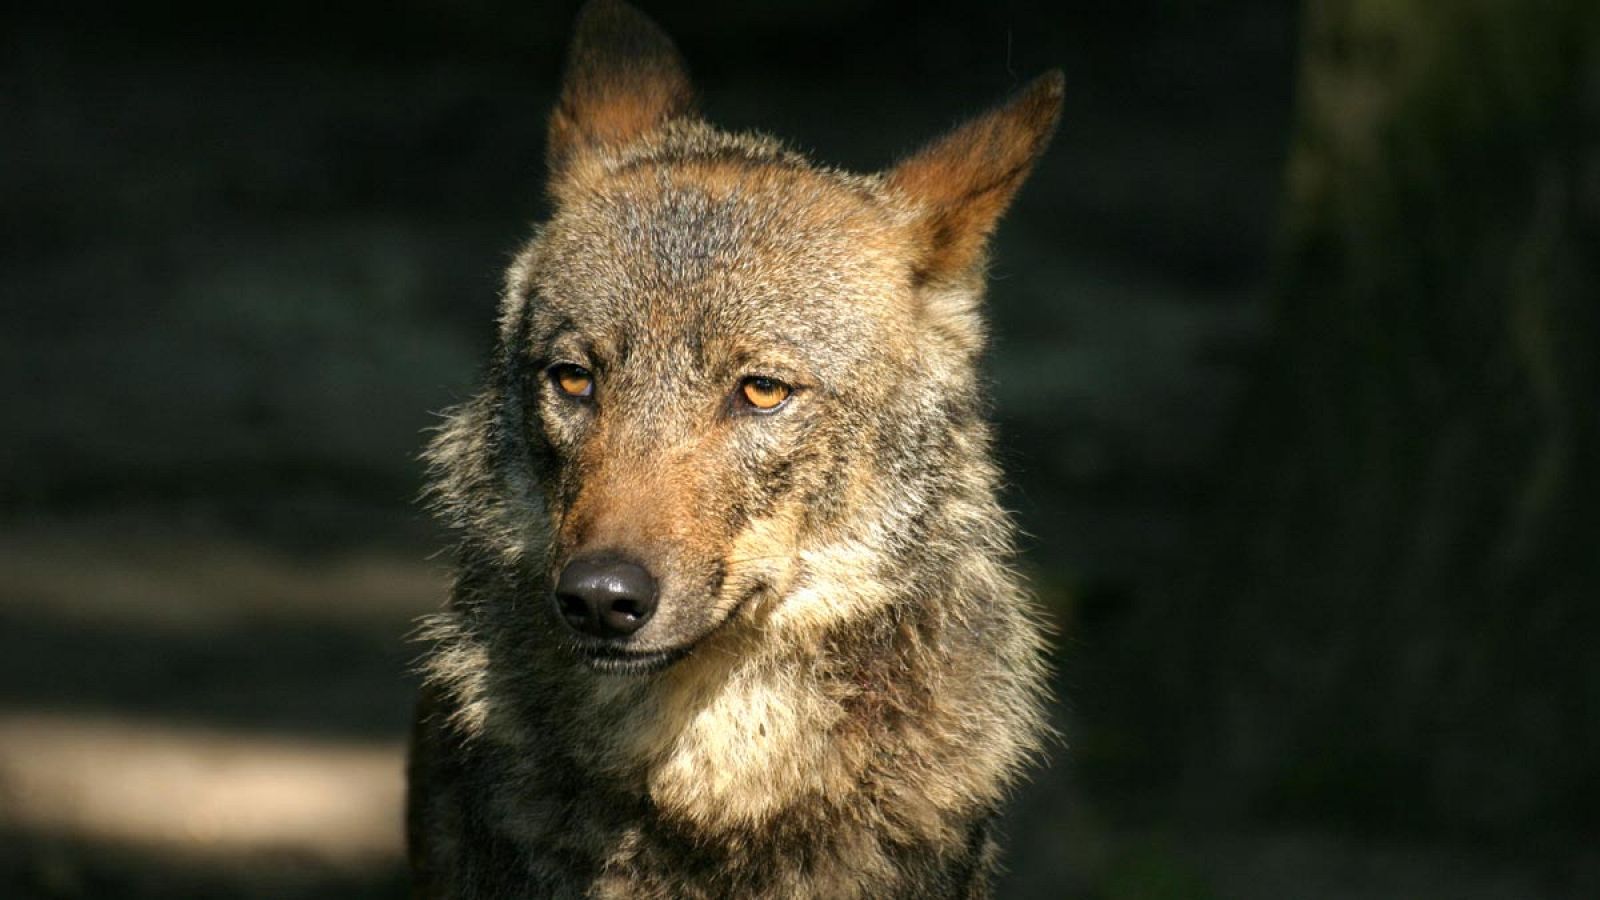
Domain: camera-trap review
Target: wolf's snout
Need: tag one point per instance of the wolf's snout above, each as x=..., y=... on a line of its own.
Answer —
x=605, y=597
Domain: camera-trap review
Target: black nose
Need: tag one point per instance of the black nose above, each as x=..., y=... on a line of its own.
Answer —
x=605, y=596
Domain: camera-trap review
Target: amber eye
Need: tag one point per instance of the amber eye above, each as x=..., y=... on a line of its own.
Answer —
x=764, y=394
x=574, y=381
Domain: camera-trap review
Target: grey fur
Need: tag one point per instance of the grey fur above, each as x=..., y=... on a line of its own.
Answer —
x=858, y=675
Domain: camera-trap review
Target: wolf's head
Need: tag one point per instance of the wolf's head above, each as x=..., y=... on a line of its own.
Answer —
x=732, y=384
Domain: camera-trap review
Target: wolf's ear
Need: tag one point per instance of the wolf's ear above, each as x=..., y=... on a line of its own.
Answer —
x=624, y=78
x=960, y=184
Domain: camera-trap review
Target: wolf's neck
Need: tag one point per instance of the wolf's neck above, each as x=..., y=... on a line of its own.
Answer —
x=849, y=679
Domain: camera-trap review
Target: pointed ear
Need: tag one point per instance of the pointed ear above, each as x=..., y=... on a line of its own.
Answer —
x=960, y=184
x=624, y=78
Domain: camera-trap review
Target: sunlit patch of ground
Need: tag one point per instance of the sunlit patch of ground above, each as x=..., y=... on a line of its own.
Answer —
x=200, y=793
x=186, y=714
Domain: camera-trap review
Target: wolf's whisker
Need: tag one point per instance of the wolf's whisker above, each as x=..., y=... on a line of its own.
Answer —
x=751, y=559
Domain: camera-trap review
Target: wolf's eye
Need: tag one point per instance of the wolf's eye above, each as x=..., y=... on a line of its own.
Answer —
x=574, y=381
x=764, y=394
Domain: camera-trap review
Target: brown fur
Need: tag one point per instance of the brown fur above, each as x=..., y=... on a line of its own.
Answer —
x=857, y=677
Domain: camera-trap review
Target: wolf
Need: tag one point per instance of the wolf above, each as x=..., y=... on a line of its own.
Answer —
x=735, y=612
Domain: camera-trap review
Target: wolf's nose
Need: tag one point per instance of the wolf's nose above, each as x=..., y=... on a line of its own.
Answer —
x=605, y=597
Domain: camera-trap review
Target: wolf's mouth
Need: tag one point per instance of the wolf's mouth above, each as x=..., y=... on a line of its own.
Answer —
x=614, y=661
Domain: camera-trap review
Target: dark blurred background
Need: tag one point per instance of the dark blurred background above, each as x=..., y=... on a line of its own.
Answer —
x=1296, y=333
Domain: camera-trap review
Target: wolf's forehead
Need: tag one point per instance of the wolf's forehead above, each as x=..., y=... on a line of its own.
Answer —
x=682, y=221
x=746, y=250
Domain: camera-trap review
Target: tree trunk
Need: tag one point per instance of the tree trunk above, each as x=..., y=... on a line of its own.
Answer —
x=1400, y=617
